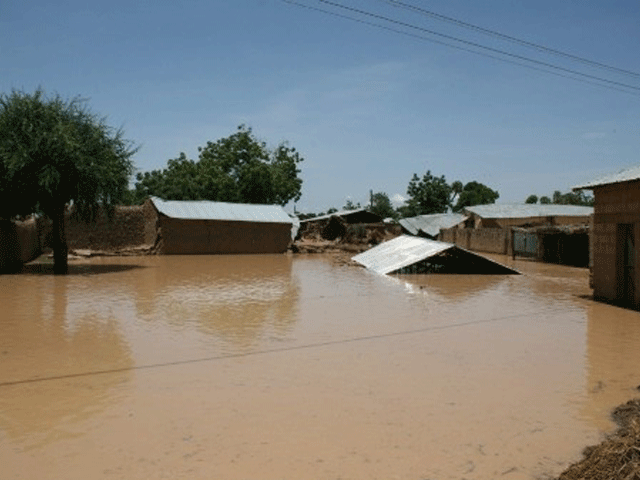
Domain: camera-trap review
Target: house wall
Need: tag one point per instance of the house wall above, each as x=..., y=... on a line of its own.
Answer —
x=127, y=228
x=20, y=242
x=221, y=237
x=529, y=221
x=490, y=240
x=614, y=205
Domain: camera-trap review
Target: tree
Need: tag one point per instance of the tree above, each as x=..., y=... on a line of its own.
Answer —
x=381, y=205
x=475, y=193
x=559, y=198
x=55, y=152
x=238, y=168
x=427, y=195
x=545, y=200
x=531, y=199
x=350, y=205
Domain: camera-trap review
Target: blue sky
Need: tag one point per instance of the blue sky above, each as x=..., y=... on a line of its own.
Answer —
x=366, y=107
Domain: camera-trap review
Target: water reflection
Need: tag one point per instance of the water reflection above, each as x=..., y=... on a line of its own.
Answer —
x=234, y=298
x=48, y=355
x=613, y=357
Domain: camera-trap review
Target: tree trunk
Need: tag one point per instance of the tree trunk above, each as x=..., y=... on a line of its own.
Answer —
x=60, y=249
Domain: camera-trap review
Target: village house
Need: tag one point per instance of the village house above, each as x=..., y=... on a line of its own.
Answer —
x=614, y=239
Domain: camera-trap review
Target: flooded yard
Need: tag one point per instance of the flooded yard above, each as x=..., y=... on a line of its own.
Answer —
x=281, y=367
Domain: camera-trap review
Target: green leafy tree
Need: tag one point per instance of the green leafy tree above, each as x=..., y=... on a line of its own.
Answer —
x=427, y=195
x=545, y=200
x=531, y=199
x=55, y=152
x=475, y=193
x=381, y=205
x=238, y=168
x=350, y=205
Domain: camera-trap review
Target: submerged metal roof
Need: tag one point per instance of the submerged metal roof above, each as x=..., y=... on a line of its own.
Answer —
x=400, y=252
x=206, y=210
x=431, y=224
x=525, y=210
x=626, y=175
x=405, y=250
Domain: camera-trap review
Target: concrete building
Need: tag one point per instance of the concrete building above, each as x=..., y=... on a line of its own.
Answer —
x=615, y=238
x=203, y=227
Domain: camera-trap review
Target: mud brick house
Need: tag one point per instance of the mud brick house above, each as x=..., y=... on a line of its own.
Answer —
x=615, y=238
x=203, y=227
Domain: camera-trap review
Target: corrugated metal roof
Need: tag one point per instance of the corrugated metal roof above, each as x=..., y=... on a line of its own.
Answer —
x=403, y=251
x=206, y=210
x=400, y=252
x=431, y=224
x=525, y=210
x=339, y=213
x=626, y=175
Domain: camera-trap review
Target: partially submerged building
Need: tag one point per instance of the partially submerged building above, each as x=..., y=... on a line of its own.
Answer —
x=410, y=254
x=563, y=244
x=342, y=224
x=204, y=227
x=429, y=226
x=527, y=215
x=615, y=239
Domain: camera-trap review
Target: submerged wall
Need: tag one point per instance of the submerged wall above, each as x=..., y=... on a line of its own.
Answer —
x=489, y=240
x=126, y=228
x=615, y=205
x=179, y=236
x=21, y=242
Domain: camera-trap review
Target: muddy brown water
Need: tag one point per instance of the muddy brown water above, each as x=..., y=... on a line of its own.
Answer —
x=280, y=367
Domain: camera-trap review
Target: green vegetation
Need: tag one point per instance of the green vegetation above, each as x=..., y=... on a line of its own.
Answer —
x=559, y=198
x=54, y=152
x=238, y=168
x=431, y=194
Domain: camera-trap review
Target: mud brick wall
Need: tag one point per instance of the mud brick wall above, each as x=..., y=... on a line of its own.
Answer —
x=125, y=229
x=531, y=221
x=489, y=240
x=614, y=205
x=20, y=242
x=179, y=236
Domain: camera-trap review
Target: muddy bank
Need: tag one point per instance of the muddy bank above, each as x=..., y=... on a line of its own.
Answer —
x=618, y=456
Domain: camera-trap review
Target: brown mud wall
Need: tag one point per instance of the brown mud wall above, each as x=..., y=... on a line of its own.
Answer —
x=126, y=228
x=614, y=205
x=21, y=242
x=221, y=237
x=489, y=240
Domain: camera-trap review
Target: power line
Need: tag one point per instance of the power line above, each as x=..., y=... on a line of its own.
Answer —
x=601, y=82
x=502, y=36
x=478, y=45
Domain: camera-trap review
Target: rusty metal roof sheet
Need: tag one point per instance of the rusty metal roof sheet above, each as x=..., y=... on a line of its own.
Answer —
x=206, y=210
x=526, y=210
x=405, y=250
x=339, y=213
x=431, y=224
x=626, y=175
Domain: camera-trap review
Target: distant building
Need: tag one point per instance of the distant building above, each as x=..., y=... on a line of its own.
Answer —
x=615, y=239
x=203, y=227
x=526, y=215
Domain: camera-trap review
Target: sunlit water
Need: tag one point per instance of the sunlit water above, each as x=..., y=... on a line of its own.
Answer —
x=280, y=367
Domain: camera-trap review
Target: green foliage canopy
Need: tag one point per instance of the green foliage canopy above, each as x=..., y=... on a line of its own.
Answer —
x=381, y=205
x=238, y=168
x=431, y=194
x=54, y=152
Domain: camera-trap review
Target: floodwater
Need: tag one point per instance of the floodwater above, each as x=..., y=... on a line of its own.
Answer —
x=281, y=367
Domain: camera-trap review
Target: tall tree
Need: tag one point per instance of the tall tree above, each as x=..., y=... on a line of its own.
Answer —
x=475, y=193
x=381, y=205
x=531, y=199
x=55, y=152
x=427, y=195
x=238, y=168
